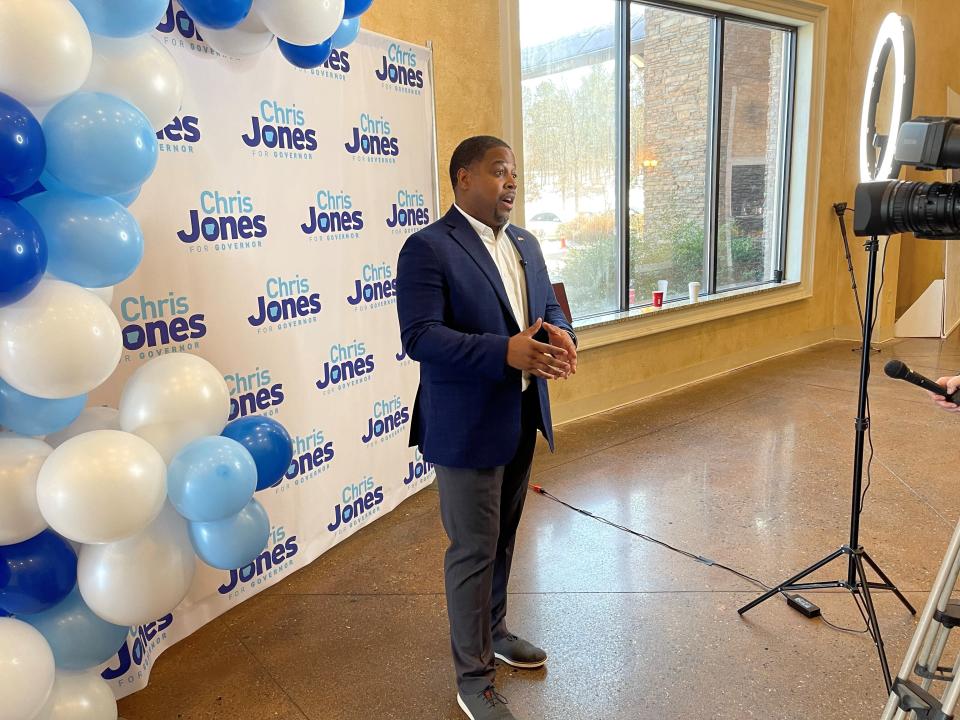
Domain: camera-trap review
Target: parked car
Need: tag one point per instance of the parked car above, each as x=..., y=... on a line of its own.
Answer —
x=545, y=225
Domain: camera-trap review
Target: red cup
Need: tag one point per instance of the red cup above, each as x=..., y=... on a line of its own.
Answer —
x=658, y=298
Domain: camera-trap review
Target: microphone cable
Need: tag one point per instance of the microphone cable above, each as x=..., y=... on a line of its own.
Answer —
x=686, y=553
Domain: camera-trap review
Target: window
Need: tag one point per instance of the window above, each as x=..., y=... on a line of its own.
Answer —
x=655, y=148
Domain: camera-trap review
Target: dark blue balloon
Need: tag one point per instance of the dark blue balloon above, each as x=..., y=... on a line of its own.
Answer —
x=217, y=14
x=34, y=189
x=306, y=56
x=353, y=8
x=23, y=252
x=36, y=574
x=23, y=151
x=268, y=442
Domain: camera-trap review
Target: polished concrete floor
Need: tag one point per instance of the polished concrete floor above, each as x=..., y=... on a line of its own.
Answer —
x=751, y=469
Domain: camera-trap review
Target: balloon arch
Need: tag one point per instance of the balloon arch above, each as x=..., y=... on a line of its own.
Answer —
x=104, y=511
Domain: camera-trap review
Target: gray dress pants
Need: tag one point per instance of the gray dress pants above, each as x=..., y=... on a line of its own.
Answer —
x=480, y=509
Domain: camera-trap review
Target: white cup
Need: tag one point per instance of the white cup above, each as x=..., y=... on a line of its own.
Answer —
x=694, y=289
x=662, y=286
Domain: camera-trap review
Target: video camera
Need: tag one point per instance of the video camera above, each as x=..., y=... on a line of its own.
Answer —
x=929, y=210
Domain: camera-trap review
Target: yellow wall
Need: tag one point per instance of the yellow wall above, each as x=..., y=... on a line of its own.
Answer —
x=470, y=96
x=466, y=47
x=937, y=67
x=911, y=264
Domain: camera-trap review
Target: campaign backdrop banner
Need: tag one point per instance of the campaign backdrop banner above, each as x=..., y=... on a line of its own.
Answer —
x=273, y=224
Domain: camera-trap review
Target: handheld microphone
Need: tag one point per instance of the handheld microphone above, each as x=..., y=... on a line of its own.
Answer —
x=899, y=370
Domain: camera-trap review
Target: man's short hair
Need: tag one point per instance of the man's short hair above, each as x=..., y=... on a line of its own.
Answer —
x=471, y=150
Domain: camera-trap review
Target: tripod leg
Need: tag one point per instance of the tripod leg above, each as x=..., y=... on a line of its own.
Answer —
x=799, y=576
x=872, y=620
x=937, y=635
x=939, y=593
x=893, y=588
x=930, y=660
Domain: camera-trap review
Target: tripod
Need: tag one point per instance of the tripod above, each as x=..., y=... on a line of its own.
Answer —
x=856, y=581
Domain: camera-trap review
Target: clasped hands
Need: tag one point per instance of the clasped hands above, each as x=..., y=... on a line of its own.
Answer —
x=552, y=361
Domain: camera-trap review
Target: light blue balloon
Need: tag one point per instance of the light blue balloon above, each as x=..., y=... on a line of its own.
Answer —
x=232, y=543
x=99, y=144
x=49, y=182
x=121, y=18
x=212, y=478
x=346, y=33
x=29, y=415
x=91, y=241
x=126, y=199
x=79, y=639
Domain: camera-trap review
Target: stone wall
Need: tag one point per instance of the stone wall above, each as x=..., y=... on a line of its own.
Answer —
x=676, y=91
x=676, y=119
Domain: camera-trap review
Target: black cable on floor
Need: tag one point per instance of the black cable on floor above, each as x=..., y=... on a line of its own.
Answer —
x=686, y=553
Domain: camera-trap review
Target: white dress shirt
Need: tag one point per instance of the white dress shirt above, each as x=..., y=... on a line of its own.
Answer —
x=507, y=260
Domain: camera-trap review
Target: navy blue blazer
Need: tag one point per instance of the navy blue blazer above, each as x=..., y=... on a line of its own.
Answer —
x=455, y=320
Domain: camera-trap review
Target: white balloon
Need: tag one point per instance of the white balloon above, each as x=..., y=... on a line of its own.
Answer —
x=59, y=341
x=102, y=486
x=139, y=579
x=20, y=462
x=92, y=418
x=26, y=670
x=174, y=400
x=301, y=22
x=141, y=71
x=250, y=37
x=79, y=696
x=104, y=293
x=45, y=50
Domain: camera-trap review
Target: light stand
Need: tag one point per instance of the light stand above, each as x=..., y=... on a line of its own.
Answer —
x=856, y=581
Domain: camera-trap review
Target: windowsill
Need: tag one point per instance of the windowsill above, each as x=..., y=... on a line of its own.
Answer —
x=616, y=327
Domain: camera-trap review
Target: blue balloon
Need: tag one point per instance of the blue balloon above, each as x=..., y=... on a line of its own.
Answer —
x=29, y=415
x=306, y=56
x=49, y=182
x=121, y=18
x=91, y=241
x=346, y=33
x=23, y=252
x=218, y=14
x=34, y=189
x=79, y=639
x=126, y=199
x=23, y=151
x=234, y=542
x=99, y=144
x=36, y=574
x=268, y=442
x=355, y=8
x=212, y=478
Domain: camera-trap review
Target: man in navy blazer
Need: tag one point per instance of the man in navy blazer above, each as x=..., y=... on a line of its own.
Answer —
x=478, y=312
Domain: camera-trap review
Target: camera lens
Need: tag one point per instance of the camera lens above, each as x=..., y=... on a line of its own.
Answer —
x=927, y=209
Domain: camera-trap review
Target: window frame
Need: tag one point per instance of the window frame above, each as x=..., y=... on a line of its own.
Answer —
x=809, y=20
x=714, y=174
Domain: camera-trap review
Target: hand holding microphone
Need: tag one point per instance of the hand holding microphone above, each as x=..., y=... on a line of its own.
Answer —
x=944, y=391
x=950, y=403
